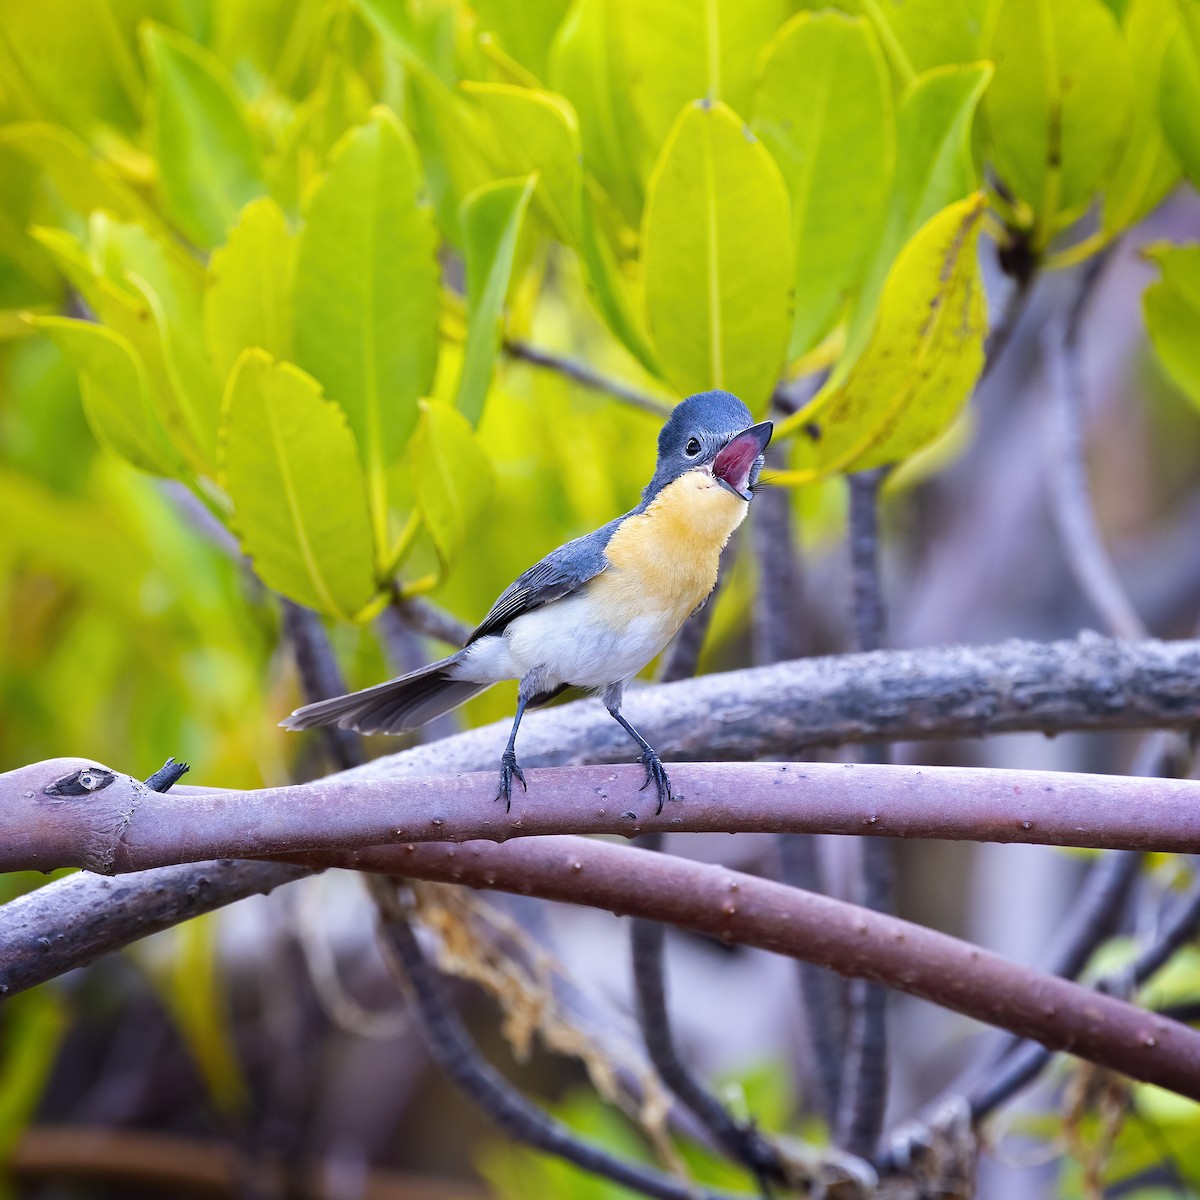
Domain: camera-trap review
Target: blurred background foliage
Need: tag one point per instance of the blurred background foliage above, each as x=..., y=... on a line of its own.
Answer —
x=271, y=272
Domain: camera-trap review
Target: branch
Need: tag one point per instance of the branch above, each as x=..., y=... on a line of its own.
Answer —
x=894, y=695
x=586, y=376
x=451, y=1048
x=73, y=922
x=424, y=617
x=123, y=827
x=1072, y=507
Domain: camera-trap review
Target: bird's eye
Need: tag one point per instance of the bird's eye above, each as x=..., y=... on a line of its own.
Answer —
x=692, y=448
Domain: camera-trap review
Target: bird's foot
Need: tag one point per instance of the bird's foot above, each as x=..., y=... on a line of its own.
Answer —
x=656, y=774
x=509, y=769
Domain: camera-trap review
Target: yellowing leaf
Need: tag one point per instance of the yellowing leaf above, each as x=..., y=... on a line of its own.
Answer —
x=491, y=223
x=209, y=166
x=249, y=297
x=367, y=294
x=116, y=397
x=675, y=51
x=299, y=497
x=1059, y=104
x=825, y=113
x=453, y=479
x=717, y=258
x=1172, y=307
x=923, y=357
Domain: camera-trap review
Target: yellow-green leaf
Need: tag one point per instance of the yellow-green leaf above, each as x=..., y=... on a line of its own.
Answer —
x=1059, y=104
x=923, y=357
x=584, y=67
x=1147, y=168
x=675, y=51
x=249, y=296
x=921, y=34
x=367, y=294
x=525, y=29
x=934, y=167
x=491, y=221
x=1172, y=306
x=1179, y=98
x=825, y=113
x=116, y=397
x=299, y=497
x=209, y=165
x=717, y=257
x=453, y=479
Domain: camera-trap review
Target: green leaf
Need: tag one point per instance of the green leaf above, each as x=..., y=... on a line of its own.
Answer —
x=1172, y=307
x=367, y=294
x=675, y=51
x=525, y=30
x=934, y=168
x=491, y=222
x=84, y=180
x=249, y=297
x=209, y=165
x=1147, y=168
x=921, y=34
x=825, y=113
x=453, y=479
x=299, y=496
x=717, y=257
x=116, y=397
x=1059, y=104
x=584, y=67
x=923, y=358
x=1179, y=98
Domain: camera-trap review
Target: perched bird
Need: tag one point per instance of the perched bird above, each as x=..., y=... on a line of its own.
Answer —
x=595, y=611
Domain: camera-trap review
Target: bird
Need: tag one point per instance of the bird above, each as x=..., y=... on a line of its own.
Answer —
x=594, y=612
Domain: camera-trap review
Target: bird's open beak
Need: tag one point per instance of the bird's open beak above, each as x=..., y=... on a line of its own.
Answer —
x=734, y=466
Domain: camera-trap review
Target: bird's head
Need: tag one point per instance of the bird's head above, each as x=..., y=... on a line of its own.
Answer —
x=711, y=432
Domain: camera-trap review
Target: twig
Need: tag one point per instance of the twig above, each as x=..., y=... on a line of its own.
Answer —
x=1002, y=332
x=862, y=1091
x=452, y=1049
x=425, y=617
x=166, y=1164
x=320, y=677
x=1072, y=507
x=741, y=1141
x=893, y=695
x=585, y=376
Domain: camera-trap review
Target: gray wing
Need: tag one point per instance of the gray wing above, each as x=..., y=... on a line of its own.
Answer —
x=560, y=573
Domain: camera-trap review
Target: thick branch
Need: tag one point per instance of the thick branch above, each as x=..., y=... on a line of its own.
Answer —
x=891, y=695
x=124, y=827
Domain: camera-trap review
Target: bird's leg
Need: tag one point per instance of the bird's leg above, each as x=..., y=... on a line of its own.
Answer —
x=656, y=773
x=508, y=760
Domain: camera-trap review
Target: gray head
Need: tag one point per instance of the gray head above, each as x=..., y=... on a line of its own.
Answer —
x=714, y=431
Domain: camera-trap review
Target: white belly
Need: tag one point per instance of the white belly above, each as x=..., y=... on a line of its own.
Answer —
x=568, y=644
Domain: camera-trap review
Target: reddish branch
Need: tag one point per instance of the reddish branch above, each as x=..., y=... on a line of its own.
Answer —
x=125, y=827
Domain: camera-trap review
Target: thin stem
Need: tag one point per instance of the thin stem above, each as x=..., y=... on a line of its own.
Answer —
x=320, y=677
x=1072, y=507
x=424, y=617
x=586, y=376
x=1001, y=333
x=451, y=1048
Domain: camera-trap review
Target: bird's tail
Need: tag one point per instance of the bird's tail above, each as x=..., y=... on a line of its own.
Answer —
x=393, y=707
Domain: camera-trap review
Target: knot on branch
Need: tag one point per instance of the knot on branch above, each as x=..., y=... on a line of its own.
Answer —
x=933, y=1158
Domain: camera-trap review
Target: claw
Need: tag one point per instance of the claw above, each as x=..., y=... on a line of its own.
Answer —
x=656, y=774
x=508, y=769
